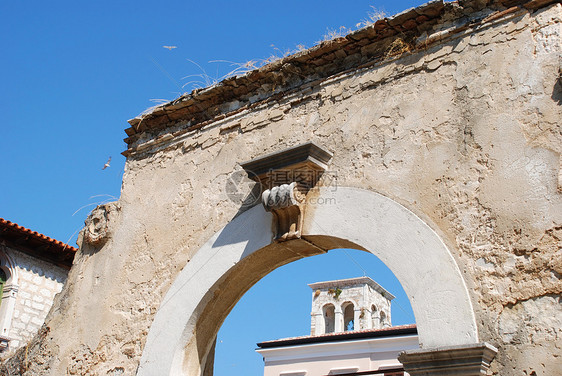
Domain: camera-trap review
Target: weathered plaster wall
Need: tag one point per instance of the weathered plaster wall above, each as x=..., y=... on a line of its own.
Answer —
x=466, y=134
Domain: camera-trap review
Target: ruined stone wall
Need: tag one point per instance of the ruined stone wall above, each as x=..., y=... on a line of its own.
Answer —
x=465, y=133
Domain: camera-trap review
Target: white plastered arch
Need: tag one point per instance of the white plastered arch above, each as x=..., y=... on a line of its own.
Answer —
x=9, y=292
x=8, y=265
x=408, y=246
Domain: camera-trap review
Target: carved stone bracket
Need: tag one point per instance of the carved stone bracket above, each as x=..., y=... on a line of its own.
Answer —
x=284, y=202
x=285, y=178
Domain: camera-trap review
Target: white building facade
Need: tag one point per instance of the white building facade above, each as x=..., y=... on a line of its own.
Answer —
x=33, y=269
x=351, y=334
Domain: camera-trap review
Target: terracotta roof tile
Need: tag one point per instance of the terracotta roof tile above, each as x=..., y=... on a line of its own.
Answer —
x=36, y=244
x=331, y=337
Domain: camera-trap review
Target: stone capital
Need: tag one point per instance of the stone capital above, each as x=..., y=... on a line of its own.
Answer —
x=303, y=164
x=286, y=177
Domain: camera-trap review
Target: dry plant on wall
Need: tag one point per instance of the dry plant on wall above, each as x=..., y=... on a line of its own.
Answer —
x=200, y=80
x=160, y=102
x=373, y=16
x=240, y=68
x=203, y=80
x=335, y=292
x=332, y=34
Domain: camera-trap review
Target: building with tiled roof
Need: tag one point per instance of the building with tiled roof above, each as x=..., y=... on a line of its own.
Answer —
x=33, y=269
x=351, y=334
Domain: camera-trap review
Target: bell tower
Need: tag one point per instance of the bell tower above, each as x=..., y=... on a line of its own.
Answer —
x=349, y=304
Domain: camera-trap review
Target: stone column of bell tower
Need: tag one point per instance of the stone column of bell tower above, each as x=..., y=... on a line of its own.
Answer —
x=349, y=304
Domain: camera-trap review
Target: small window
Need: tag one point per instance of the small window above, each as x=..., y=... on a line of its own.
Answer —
x=383, y=319
x=3, y=279
x=329, y=318
x=348, y=317
x=374, y=317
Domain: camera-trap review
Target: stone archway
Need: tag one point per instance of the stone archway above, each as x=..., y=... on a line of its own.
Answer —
x=234, y=259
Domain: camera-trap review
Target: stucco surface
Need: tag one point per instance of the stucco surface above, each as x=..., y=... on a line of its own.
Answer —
x=222, y=270
x=465, y=134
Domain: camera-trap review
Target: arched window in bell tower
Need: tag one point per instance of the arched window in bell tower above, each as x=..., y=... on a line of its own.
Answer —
x=329, y=313
x=348, y=317
x=374, y=317
x=383, y=320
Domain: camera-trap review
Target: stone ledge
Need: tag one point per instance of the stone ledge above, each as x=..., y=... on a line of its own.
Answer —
x=303, y=163
x=465, y=360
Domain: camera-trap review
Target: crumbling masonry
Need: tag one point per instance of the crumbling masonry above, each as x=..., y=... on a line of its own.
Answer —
x=446, y=153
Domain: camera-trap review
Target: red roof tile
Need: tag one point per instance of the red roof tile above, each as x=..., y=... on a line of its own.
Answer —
x=36, y=244
x=340, y=336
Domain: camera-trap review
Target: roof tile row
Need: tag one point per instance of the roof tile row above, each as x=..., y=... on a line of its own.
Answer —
x=37, y=244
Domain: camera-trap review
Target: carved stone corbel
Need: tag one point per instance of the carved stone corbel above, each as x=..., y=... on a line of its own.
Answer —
x=285, y=178
x=284, y=202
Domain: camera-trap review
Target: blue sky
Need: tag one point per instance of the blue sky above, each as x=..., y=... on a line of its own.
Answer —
x=73, y=72
x=279, y=306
